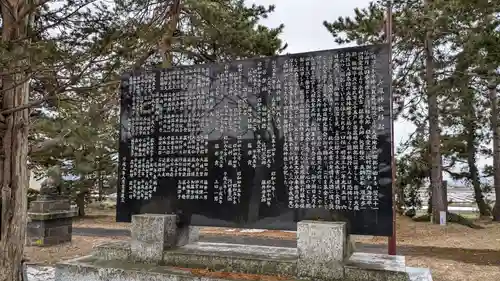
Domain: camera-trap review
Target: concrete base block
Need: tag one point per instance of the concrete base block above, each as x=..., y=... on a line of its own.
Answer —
x=119, y=251
x=376, y=267
x=151, y=234
x=111, y=262
x=89, y=269
x=49, y=229
x=322, y=249
x=146, y=252
x=50, y=205
x=187, y=235
x=252, y=259
x=151, y=228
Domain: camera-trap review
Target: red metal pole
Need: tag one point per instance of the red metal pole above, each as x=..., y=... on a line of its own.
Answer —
x=391, y=247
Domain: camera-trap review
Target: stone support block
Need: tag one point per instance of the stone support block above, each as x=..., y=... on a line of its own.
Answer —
x=48, y=206
x=187, y=235
x=50, y=221
x=376, y=267
x=151, y=235
x=49, y=232
x=154, y=233
x=322, y=248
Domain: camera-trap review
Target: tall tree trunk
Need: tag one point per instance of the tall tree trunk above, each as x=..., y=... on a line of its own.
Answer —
x=470, y=123
x=100, y=183
x=495, y=127
x=434, y=130
x=166, y=42
x=14, y=150
x=484, y=209
x=80, y=203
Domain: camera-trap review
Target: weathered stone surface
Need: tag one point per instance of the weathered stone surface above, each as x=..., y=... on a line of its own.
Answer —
x=153, y=228
x=227, y=258
x=40, y=273
x=375, y=267
x=235, y=258
x=113, y=251
x=89, y=269
x=47, y=230
x=187, y=235
x=53, y=215
x=322, y=248
x=151, y=234
x=216, y=256
x=47, y=206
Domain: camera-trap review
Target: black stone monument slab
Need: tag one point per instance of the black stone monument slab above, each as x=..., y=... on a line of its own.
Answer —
x=261, y=143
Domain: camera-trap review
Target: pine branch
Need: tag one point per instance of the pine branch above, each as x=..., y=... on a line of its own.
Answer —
x=40, y=147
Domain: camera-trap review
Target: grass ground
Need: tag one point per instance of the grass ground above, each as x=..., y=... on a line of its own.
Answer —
x=453, y=252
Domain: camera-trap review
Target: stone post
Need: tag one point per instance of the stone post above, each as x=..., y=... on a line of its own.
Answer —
x=152, y=234
x=50, y=221
x=323, y=248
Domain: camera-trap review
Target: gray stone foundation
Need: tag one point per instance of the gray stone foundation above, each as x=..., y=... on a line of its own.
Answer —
x=152, y=234
x=159, y=251
x=322, y=249
x=49, y=222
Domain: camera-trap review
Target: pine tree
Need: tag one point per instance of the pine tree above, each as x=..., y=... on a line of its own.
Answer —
x=439, y=72
x=203, y=34
x=47, y=55
x=411, y=41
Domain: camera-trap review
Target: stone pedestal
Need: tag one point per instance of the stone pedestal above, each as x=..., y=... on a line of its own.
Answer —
x=159, y=249
x=322, y=248
x=152, y=234
x=49, y=221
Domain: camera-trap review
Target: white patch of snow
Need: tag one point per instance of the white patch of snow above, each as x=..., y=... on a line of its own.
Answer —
x=252, y=230
x=41, y=273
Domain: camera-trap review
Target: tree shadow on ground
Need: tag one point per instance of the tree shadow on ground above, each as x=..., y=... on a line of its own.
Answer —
x=91, y=217
x=471, y=256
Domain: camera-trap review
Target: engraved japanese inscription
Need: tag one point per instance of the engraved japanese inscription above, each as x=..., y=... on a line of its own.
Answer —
x=261, y=143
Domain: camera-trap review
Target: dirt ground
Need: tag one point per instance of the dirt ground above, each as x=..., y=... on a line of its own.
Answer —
x=453, y=252
x=79, y=246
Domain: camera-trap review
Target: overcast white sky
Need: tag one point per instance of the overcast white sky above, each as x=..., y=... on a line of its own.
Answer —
x=304, y=31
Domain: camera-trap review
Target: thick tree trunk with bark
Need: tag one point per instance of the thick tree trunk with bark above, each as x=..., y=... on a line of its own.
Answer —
x=434, y=130
x=495, y=127
x=80, y=203
x=484, y=209
x=166, y=41
x=14, y=184
x=471, y=141
x=14, y=144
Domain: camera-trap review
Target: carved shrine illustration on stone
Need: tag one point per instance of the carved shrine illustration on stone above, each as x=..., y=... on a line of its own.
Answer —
x=261, y=143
